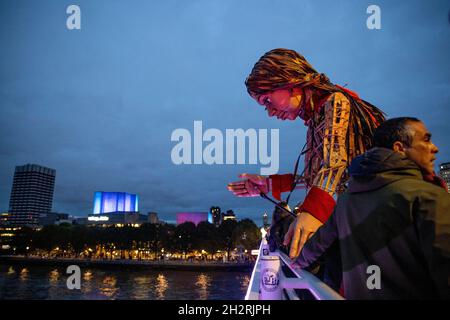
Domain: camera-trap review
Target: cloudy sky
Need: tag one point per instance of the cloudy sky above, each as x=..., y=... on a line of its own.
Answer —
x=99, y=104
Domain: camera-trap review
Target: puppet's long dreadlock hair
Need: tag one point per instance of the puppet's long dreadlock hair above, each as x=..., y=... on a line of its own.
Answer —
x=283, y=69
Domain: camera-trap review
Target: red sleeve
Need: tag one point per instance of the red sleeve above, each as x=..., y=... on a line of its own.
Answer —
x=319, y=204
x=281, y=183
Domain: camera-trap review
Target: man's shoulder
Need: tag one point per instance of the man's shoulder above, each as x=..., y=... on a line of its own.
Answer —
x=407, y=188
x=418, y=186
x=418, y=191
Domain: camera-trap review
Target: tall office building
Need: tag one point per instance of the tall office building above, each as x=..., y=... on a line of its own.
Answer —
x=444, y=172
x=31, y=194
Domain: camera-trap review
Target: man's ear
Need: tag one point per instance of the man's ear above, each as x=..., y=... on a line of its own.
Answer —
x=398, y=146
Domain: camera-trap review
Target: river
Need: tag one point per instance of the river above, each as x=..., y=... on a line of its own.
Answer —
x=45, y=282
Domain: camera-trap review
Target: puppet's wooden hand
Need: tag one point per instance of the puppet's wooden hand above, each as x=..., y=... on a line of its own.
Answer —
x=300, y=230
x=251, y=185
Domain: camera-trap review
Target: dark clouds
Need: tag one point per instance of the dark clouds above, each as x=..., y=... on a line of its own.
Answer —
x=99, y=104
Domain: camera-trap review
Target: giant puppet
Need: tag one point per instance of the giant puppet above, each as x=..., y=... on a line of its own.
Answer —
x=340, y=126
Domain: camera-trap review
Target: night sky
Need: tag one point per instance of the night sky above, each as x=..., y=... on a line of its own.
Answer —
x=99, y=104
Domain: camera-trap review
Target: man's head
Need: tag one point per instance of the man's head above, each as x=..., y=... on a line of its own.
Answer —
x=410, y=137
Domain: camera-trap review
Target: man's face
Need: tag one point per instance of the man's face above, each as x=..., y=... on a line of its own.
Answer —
x=422, y=151
x=283, y=103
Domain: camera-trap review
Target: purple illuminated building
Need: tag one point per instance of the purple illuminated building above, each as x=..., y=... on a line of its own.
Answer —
x=194, y=217
x=106, y=202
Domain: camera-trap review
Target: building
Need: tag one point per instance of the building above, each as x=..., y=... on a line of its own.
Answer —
x=5, y=219
x=194, y=217
x=266, y=223
x=7, y=232
x=153, y=218
x=55, y=218
x=106, y=202
x=31, y=194
x=118, y=219
x=115, y=208
x=216, y=215
x=444, y=173
x=229, y=215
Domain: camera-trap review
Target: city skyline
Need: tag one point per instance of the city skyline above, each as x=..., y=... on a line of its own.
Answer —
x=104, y=201
x=99, y=104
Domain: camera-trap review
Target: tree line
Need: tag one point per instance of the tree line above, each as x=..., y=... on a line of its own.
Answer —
x=82, y=241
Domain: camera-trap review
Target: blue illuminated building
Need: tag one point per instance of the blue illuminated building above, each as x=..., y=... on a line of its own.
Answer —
x=107, y=202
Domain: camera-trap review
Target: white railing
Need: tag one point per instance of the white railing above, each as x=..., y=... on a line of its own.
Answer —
x=268, y=281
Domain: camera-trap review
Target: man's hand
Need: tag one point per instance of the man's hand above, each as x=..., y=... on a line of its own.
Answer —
x=251, y=186
x=299, y=232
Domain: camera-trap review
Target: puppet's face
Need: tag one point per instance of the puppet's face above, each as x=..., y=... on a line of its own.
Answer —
x=284, y=104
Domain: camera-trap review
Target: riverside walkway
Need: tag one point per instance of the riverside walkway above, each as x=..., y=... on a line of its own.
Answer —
x=124, y=263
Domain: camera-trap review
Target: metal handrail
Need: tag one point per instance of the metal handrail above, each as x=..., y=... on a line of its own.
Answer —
x=255, y=278
x=302, y=280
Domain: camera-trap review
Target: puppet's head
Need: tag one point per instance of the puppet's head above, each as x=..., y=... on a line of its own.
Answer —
x=289, y=87
x=279, y=79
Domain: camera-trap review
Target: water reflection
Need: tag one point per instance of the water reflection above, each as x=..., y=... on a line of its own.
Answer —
x=108, y=287
x=23, y=274
x=141, y=287
x=86, y=284
x=53, y=276
x=161, y=286
x=203, y=283
x=244, y=282
x=11, y=271
x=87, y=276
x=53, y=279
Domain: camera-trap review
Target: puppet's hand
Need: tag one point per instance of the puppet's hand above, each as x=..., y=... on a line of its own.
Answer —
x=300, y=230
x=251, y=186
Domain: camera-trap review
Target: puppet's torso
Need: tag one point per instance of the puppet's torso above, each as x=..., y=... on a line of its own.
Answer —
x=328, y=151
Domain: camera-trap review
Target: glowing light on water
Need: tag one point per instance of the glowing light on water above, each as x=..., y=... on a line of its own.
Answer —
x=141, y=287
x=11, y=270
x=109, y=288
x=24, y=274
x=203, y=283
x=161, y=286
x=87, y=276
x=54, y=276
x=244, y=282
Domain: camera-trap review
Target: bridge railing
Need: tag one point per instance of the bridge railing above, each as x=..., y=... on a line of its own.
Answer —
x=276, y=277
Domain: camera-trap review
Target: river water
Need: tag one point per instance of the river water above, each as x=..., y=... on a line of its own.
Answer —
x=44, y=282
